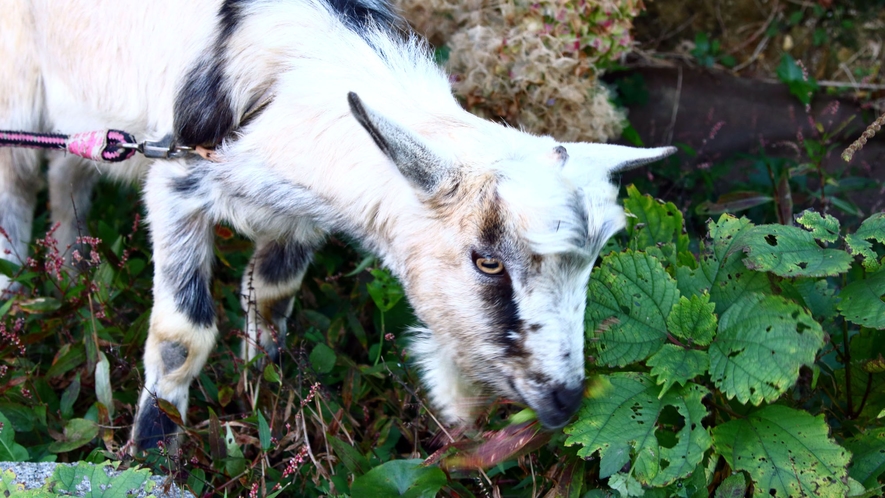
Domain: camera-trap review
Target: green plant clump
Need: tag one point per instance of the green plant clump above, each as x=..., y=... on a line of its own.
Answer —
x=761, y=355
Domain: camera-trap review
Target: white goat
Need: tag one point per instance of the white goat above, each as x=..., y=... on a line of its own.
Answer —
x=325, y=117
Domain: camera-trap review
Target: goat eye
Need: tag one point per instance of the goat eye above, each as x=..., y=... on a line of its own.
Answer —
x=489, y=266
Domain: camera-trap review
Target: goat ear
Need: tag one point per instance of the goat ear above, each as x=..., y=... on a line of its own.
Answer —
x=416, y=161
x=617, y=158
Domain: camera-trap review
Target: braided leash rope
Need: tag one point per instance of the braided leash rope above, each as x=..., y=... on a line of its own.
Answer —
x=104, y=145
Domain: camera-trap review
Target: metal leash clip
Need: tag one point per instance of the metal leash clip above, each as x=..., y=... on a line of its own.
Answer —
x=160, y=149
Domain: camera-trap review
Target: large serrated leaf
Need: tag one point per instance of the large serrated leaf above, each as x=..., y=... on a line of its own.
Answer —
x=824, y=228
x=868, y=462
x=409, y=478
x=873, y=228
x=791, y=252
x=863, y=301
x=761, y=343
x=721, y=271
x=630, y=297
x=651, y=222
x=673, y=364
x=692, y=320
x=622, y=419
x=786, y=452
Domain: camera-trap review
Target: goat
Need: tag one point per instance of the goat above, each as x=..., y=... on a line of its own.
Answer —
x=325, y=116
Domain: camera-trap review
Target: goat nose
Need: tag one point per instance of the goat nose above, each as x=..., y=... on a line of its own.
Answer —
x=564, y=402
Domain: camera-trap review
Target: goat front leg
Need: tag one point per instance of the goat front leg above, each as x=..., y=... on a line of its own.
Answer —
x=271, y=280
x=182, y=329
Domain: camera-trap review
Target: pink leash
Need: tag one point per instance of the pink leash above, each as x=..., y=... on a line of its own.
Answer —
x=103, y=145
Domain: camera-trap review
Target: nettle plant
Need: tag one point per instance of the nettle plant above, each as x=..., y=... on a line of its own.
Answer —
x=757, y=364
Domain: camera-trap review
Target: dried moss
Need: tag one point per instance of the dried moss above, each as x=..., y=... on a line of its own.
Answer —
x=532, y=64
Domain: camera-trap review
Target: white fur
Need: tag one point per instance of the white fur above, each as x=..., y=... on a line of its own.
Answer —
x=305, y=167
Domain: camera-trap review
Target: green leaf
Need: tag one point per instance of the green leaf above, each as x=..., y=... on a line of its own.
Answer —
x=384, y=290
x=322, y=358
x=271, y=373
x=674, y=364
x=733, y=202
x=734, y=486
x=70, y=356
x=824, y=228
x=692, y=320
x=8, y=268
x=355, y=462
x=800, y=84
x=868, y=462
x=651, y=222
x=721, y=271
x=863, y=301
x=788, y=251
x=625, y=485
x=873, y=228
x=816, y=295
x=235, y=463
x=77, y=432
x=10, y=451
x=408, y=478
x=39, y=305
x=263, y=431
x=786, y=452
x=69, y=397
x=69, y=479
x=623, y=418
x=761, y=343
x=630, y=296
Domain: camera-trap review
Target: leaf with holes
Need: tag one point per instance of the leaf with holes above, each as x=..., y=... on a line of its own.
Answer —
x=653, y=222
x=822, y=227
x=622, y=418
x=787, y=452
x=761, y=343
x=872, y=229
x=630, y=297
x=868, y=462
x=674, y=364
x=692, y=320
x=720, y=271
x=791, y=252
x=863, y=301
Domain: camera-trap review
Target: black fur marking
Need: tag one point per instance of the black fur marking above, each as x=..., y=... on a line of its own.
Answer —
x=193, y=298
x=279, y=263
x=358, y=15
x=153, y=426
x=174, y=355
x=186, y=185
x=203, y=114
x=230, y=16
x=497, y=297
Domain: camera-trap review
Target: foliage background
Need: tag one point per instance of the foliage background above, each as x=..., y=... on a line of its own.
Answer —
x=344, y=415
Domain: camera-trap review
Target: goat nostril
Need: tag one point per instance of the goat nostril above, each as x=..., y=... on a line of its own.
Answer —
x=567, y=399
